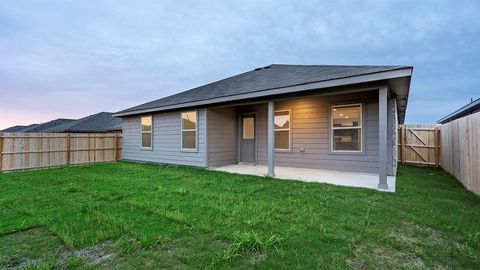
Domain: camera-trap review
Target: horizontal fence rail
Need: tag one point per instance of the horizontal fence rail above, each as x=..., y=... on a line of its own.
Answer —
x=21, y=151
x=461, y=150
x=419, y=144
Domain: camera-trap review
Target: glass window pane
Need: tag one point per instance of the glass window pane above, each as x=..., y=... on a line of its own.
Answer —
x=189, y=120
x=147, y=139
x=282, y=120
x=349, y=116
x=146, y=123
x=248, y=128
x=347, y=139
x=189, y=139
x=282, y=139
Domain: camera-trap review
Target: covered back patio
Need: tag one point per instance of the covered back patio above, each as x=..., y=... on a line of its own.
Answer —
x=241, y=138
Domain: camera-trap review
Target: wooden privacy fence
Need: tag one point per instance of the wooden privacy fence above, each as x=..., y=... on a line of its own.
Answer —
x=20, y=151
x=461, y=150
x=419, y=144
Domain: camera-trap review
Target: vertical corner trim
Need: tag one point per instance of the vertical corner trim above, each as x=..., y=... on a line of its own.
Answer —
x=382, y=137
x=271, y=139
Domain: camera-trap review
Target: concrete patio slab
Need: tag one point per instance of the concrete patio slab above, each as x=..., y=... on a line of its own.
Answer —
x=363, y=180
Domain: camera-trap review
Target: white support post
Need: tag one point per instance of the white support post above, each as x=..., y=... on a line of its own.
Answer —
x=382, y=137
x=271, y=139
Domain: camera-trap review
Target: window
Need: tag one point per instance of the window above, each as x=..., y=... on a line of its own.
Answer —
x=146, y=132
x=189, y=130
x=248, y=128
x=282, y=130
x=346, y=126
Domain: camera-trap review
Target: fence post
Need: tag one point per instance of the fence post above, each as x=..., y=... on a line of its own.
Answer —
x=94, y=147
x=116, y=142
x=1, y=152
x=68, y=148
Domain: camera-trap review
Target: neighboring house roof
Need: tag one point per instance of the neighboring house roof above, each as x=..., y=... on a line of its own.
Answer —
x=19, y=128
x=13, y=129
x=47, y=125
x=470, y=108
x=276, y=79
x=100, y=122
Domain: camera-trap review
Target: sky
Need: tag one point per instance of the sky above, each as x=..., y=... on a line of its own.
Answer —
x=70, y=59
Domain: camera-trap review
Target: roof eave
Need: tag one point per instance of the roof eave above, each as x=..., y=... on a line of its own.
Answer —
x=472, y=106
x=377, y=76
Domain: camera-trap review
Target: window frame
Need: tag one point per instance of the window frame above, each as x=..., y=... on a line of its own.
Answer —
x=243, y=127
x=361, y=127
x=182, y=149
x=143, y=132
x=284, y=129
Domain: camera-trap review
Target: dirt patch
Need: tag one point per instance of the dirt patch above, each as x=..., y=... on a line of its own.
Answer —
x=355, y=263
x=38, y=246
x=16, y=262
x=256, y=257
x=383, y=257
x=92, y=255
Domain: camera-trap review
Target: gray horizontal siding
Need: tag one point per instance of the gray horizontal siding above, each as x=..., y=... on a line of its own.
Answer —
x=311, y=131
x=166, y=140
x=222, y=141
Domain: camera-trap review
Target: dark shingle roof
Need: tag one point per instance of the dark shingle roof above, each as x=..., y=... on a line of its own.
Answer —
x=47, y=125
x=470, y=108
x=20, y=128
x=266, y=78
x=14, y=128
x=100, y=122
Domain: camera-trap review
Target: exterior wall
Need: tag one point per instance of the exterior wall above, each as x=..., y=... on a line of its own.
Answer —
x=166, y=140
x=311, y=131
x=221, y=137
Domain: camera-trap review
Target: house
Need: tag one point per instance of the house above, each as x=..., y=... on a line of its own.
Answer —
x=314, y=117
x=471, y=108
x=96, y=123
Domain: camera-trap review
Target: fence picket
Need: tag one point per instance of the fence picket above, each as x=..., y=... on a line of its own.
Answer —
x=460, y=150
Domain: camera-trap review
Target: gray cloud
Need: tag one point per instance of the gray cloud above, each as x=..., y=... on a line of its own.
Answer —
x=73, y=58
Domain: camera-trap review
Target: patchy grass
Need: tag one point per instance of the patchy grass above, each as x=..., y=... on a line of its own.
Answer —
x=124, y=216
x=249, y=243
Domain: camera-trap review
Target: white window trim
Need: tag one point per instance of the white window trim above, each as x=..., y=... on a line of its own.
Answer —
x=142, y=132
x=190, y=129
x=283, y=129
x=332, y=128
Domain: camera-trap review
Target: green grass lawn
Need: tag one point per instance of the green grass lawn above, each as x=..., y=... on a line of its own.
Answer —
x=123, y=215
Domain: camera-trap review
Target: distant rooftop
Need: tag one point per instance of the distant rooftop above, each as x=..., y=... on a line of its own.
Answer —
x=470, y=108
x=47, y=125
x=14, y=128
x=99, y=122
